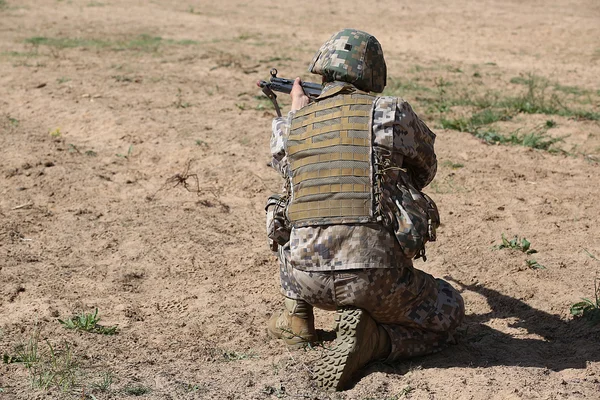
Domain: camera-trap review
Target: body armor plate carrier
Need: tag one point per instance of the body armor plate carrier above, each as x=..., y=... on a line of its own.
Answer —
x=329, y=151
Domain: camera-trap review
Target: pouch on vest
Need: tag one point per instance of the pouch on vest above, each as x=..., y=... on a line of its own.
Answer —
x=278, y=231
x=415, y=217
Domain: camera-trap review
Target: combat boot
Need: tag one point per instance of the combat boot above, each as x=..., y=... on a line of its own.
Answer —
x=295, y=324
x=360, y=340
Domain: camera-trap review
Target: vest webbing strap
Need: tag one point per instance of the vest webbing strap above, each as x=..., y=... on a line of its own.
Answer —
x=319, y=158
x=329, y=173
x=332, y=188
x=342, y=140
x=329, y=208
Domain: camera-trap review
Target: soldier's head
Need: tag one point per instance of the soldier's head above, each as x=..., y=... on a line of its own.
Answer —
x=351, y=56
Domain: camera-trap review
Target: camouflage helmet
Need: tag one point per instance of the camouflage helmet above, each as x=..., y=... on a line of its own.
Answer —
x=352, y=56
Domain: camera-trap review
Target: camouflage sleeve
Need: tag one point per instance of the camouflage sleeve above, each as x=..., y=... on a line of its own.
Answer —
x=399, y=130
x=279, y=131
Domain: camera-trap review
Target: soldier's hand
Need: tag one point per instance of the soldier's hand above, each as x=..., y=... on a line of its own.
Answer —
x=299, y=99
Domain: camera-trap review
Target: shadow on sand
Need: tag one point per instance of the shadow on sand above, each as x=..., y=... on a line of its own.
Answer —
x=561, y=344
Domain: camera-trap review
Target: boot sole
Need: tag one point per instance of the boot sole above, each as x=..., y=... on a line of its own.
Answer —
x=335, y=369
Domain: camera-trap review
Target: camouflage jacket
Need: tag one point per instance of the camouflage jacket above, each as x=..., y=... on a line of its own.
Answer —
x=402, y=140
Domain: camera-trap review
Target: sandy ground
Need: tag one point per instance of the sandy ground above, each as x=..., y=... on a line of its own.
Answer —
x=102, y=103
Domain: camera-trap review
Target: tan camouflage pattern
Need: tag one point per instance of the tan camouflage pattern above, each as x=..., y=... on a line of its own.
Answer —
x=278, y=231
x=280, y=128
x=352, y=56
x=337, y=247
x=399, y=132
x=419, y=313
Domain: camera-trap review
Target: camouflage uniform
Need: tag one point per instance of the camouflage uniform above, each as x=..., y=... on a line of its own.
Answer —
x=369, y=265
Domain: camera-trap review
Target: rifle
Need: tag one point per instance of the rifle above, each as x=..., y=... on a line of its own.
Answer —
x=283, y=85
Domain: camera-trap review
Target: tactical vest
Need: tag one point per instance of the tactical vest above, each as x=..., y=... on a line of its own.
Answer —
x=329, y=150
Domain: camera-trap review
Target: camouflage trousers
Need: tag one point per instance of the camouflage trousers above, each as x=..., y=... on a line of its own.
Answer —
x=419, y=312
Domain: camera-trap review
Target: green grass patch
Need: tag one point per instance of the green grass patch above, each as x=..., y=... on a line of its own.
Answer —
x=538, y=139
x=476, y=121
x=65, y=43
x=541, y=97
x=485, y=107
x=88, y=322
x=275, y=59
x=397, y=87
x=47, y=365
x=144, y=42
x=19, y=54
x=465, y=104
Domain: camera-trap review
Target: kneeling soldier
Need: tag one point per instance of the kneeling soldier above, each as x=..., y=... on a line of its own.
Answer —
x=353, y=217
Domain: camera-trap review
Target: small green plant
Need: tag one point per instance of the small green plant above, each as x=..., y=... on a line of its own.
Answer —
x=137, y=390
x=516, y=244
x=192, y=388
x=407, y=390
x=452, y=165
x=73, y=149
x=105, y=382
x=533, y=264
x=179, y=103
x=587, y=308
x=55, y=133
x=88, y=322
x=25, y=353
x=593, y=257
x=13, y=122
x=236, y=356
x=62, y=80
x=90, y=153
x=128, y=155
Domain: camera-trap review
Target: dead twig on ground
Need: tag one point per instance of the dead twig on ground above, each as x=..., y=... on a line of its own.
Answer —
x=25, y=205
x=182, y=179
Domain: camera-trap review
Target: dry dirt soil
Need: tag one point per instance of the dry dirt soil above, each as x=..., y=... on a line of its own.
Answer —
x=133, y=175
